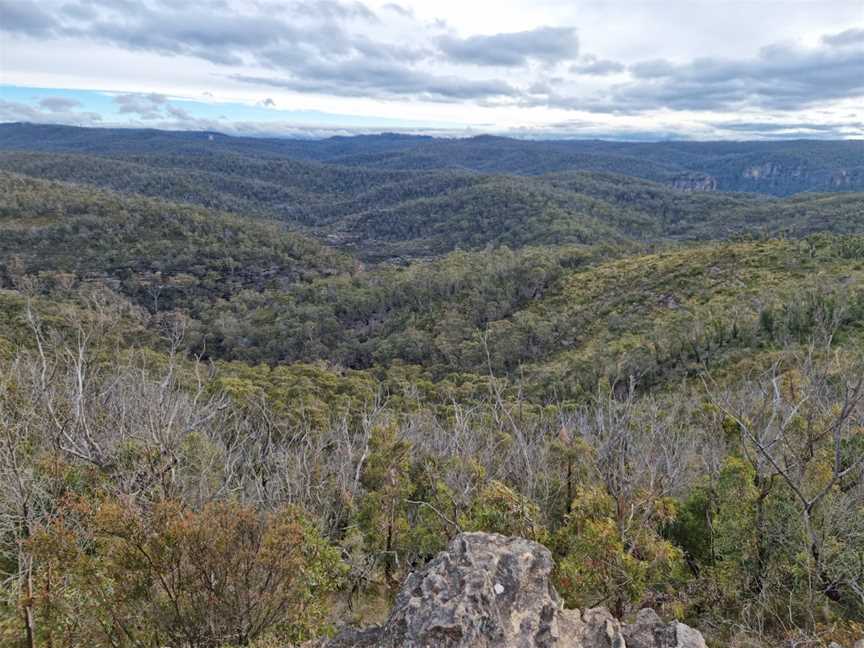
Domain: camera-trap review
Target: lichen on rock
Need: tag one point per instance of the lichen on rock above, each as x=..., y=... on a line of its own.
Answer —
x=492, y=591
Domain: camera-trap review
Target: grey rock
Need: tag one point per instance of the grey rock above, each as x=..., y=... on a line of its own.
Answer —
x=491, y=591
x=649, y=631
x=485, y=591
x=694, y=182
x=688, y=637
x=600, y=630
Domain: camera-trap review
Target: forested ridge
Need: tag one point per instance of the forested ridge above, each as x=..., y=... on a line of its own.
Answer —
x=401, y=215
x=248, y=386
x=775, y=168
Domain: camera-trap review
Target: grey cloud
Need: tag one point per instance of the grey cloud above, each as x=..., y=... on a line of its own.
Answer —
x=401, y=53
x=848, y=37
x=398, y=9
x=319, y=46
x=25, y=17
x=314, y=52
x=152, y=107
x=177, y=113
x=547, y=44
x=59, y=104
x=652, y=69
x=276, y=35
x=790, y=129
x=145, y=106
x=79, y=12
x=211, y=30
x=216, y=38
x=781, y=77
x=594, y=67
x=13, y=111
x=540, y=88
x=332, y=9
x=361, y=78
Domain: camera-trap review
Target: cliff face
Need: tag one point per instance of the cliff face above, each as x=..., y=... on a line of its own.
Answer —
x=772, y=177
x=694, y=182
x=792, y=177
x=491, y=591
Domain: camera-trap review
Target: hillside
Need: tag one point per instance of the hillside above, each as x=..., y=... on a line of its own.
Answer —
x=554, y=314
x=400, y=215
x=559, y=319
x=160, y=254
x=778, y=168
x=774, y=168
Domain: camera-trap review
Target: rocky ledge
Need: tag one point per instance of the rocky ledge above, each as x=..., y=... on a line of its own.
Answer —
x=491, y=591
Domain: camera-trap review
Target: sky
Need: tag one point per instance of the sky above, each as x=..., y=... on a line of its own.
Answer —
x=614, y=69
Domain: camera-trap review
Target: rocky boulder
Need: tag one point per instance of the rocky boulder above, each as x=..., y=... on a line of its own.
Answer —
x=649, y=631
x=491, y=591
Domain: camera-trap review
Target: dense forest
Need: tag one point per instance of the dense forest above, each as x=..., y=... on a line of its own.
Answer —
x=248, y=386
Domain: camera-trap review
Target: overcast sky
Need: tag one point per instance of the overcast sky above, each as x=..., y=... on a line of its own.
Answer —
x=633, y=69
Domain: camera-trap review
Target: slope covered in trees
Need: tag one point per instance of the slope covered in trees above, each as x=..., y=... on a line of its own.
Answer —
x=776, y=168
x=380, y=215
x=261, y=294
x=151, y=250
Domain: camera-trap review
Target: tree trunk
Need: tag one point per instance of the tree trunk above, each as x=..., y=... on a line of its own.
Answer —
x=29, y=618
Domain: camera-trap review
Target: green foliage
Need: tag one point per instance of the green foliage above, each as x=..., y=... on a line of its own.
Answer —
x=303, y=394
x=606, y=562
x=692, y=529
x=114, y=575
x=383, y=512
x=162, y=255
x=498, y=509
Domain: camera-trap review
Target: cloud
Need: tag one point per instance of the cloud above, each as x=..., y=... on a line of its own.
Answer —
x=319, y=45
x=652, y=69
x=591, y=66
x=778, y=129
x=346, y=48
x=781, y=77
x=151, y=107
x=59, y=104
x=78, y=12
x=14, y=111
x=144, y=106
x=172, y=117
x=399, y=9
x=546, y=44
x=848, y=37
x=212, y=31
x=333, y=10
x=220, y=39
x=25, y=17
x=364, y=78
x=177, y=113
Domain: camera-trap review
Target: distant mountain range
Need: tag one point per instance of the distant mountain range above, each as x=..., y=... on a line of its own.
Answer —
x=779, y=168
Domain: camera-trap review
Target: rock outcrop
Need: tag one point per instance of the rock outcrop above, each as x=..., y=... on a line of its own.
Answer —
x=491, y=591
x=649, y=631
x=694, y=182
